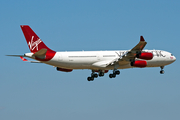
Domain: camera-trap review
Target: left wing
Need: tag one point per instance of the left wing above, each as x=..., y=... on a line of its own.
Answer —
x=130, y=55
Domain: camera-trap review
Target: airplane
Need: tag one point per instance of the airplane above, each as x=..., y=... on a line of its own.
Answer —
x=99, y=62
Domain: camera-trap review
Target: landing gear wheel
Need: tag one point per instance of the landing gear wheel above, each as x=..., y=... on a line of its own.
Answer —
x=95, y=75
x=110, y=75
x=117, y=72
x=113, y=75
x=162, y=71
x=101, y=74
x=90, y=78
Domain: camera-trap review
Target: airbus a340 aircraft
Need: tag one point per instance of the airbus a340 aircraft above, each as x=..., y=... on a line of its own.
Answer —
x=99, y=62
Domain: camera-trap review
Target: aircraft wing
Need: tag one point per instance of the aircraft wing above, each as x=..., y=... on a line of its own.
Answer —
x=130, y=55
x=134, y=51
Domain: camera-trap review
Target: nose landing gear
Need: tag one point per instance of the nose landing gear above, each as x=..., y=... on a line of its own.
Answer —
x=162, y=71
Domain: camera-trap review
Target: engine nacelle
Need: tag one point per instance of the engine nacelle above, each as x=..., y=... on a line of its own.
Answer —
x=139, y=63
x=145, y=56
x=64, y=70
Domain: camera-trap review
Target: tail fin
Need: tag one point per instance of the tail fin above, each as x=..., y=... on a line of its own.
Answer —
x=34, y=42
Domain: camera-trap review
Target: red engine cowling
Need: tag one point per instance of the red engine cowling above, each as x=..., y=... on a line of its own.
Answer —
x=64, y=70
x=145, y=56
x=139, y=63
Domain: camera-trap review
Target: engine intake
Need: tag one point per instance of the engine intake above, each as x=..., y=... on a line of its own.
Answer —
x=139, y=63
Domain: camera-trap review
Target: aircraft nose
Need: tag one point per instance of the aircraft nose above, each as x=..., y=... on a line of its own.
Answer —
x=174, y=59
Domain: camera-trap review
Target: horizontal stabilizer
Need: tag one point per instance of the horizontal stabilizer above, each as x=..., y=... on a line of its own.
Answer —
x=23, y=59
x=16, y=55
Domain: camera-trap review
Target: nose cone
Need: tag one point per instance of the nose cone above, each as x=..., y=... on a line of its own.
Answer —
x=173, y=58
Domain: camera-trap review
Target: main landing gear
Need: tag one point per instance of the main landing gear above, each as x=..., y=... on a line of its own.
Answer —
x=101, y=74
x=162, y=71
x=115, y=72
x=95, y=75
x=113, y=75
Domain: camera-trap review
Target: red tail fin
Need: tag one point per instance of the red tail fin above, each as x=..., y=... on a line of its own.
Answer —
x=34, y=42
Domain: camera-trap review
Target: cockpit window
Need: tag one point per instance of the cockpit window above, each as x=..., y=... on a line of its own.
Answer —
x=172, y=55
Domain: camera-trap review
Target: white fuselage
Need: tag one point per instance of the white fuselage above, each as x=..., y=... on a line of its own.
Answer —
x=96, y=59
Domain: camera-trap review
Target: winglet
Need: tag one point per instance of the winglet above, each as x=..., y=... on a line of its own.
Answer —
x=140, y=45
x=141, y=38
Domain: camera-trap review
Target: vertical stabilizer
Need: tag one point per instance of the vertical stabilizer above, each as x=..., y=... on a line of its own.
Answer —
x=36, y=45
x=34, y=42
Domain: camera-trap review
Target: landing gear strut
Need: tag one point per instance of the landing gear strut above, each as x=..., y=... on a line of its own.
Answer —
x=115, y=72
x=162, y=71
x=101, y=74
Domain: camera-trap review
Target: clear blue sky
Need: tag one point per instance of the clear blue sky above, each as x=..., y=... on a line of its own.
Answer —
x=39, y=92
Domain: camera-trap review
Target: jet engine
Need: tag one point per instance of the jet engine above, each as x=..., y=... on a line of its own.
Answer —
x=145, y=56
x=139, y=63
x=64, y=70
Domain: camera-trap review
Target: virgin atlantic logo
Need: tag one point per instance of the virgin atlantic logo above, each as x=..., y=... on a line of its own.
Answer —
x=33, y=45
